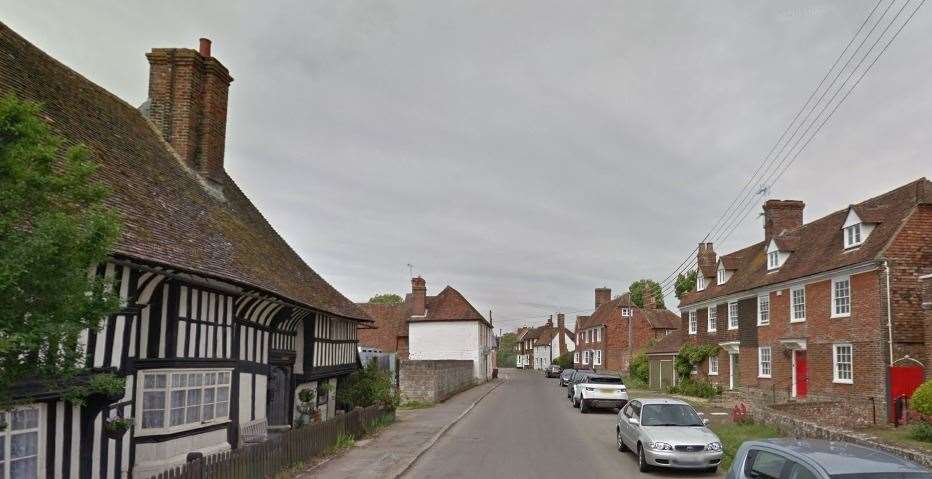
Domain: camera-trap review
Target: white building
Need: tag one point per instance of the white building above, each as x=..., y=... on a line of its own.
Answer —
x=548, y=344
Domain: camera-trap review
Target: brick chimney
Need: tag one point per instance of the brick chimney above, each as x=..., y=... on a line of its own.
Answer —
x=650, y=302
x=550, y=321
x=782, y=215
x=419, y=293
x=602, y=296
x=188, y=104
x=706, y=257
x=561, y=332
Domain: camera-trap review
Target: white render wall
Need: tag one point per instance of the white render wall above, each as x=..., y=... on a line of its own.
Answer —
x=469, y=340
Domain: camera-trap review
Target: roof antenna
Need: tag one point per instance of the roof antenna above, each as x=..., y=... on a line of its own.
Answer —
x=410, y=270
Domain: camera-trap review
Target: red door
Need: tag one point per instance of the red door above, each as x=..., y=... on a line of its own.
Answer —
x=802, y=373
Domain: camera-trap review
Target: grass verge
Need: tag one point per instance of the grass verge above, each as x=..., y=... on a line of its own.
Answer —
x=898, y=435
x=732, y=435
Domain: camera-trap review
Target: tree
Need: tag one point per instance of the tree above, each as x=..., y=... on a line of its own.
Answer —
x=386, y=298
x=685, y=283
x=506, y=351
x=637, y=292
x=54, y=226
x=565, y=361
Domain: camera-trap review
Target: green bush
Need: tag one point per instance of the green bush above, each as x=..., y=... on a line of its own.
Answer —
x=639, y=369
x=921, y=431
x=701, y=389
x=565, y=361
x=367, y=387
x=921, y=401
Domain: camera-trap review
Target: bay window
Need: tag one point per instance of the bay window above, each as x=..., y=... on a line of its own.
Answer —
x=182, y=399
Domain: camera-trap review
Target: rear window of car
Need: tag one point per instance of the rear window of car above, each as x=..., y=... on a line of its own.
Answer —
x=605, y=380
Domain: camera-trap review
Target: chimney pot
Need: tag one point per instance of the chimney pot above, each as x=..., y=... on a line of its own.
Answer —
x=706, y=259
x=602, y=296
x=419, y=294
x=204, y=47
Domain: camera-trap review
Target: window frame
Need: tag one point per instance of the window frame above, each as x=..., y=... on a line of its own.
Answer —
x=700, y=281
x=713, y=360
x=39, y=429
x=773, y=260
x=760, y=362
x=793, y=317
x=712, y=319
x=626, y=312
x=736, y=316
x=597, y=357
x=853, y=240
x=760, y=310
x=693, y=322
x=832, y=304
x=836, y=378
x=720, y=277
x=167, y=428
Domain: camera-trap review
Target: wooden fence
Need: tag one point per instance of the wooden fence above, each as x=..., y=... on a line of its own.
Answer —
x=266, y=459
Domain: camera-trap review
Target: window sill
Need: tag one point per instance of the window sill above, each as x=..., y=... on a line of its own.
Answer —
x=692, y=332
x=177, y=429
x=713, y=374
x=800, y=320
x=765, y=376
x=763, y=324
x=835, y=316
x=843, y=381
x=733, y=329
x=712, y=331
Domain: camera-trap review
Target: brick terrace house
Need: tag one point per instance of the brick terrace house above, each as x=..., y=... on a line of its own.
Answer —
x=222, y=321
x=618, y=329
x=445, y=326
x=525, y=357
x=804, y=314
x=551, y=344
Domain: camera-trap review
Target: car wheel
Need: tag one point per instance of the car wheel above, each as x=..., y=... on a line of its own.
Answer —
x=575, y=402
x=643, y=466
x=712, y=470
x=583, y=406
x=621, y=443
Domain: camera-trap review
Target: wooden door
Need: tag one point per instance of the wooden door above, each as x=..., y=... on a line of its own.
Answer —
x=802, y=373
x=277, y=396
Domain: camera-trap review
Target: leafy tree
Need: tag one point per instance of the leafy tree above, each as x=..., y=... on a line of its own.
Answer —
x=564, y=361
x=638, y=287
x=386, y=298
x=54, y=226
x=639, y=368
x=367, y=387
x=685, y=283
x=505, y=357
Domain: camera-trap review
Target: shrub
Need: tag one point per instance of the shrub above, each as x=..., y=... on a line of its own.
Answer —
x=701, y=389
x=921, y=401
x=921, y=431
x=565, y=361
x=689, y=356
x=639, y=369
x=367, y=387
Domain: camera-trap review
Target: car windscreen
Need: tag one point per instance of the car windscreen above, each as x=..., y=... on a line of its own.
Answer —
x=884, y=475
x=605, y=380
x=669, y=415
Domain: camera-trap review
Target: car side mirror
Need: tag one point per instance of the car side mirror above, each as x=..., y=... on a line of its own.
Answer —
x=705, y=422
x=633, y=421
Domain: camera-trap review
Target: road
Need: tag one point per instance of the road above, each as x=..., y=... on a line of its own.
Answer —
x=526, y=428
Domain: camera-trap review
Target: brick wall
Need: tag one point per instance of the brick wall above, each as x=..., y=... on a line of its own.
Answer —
x=927, y=304
x=909, y=257
x=433, y=380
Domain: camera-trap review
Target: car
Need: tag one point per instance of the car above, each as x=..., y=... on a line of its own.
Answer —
x=565, y=376
x=553, y=371
x=577, y=376
x=667, y=433
x=818, y=459
x=600, y=391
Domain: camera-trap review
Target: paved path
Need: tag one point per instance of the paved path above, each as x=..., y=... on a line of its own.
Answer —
x=527, y=429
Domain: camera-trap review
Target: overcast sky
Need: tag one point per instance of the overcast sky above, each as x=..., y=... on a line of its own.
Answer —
x=524, y=152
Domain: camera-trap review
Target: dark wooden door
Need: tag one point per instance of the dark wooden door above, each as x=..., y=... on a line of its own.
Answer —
x=277, y=396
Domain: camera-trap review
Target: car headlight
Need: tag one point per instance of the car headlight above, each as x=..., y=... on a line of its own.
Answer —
x=659, y=446
x=590, y=389
x=714, y=446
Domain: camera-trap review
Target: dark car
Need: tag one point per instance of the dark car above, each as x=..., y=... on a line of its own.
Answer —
x=553, y=371
x=565, y=376
x=577, y=376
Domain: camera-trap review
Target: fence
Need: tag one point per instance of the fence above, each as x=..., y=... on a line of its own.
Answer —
x=268, y=458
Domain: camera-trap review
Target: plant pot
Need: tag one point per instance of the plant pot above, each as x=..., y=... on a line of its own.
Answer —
x=116, y=430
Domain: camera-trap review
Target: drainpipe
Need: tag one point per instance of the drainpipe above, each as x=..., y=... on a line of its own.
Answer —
x=886, y=269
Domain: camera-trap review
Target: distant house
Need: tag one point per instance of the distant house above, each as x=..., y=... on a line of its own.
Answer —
x=223, y=323
x=552, y=342
x=618, y=329
x=445, y=326
x=825, y=310
x=523, y=349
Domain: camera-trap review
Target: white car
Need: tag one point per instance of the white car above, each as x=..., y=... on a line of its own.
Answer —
x=599, y=391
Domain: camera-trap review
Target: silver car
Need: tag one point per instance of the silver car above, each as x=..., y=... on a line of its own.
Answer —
x=667, y=433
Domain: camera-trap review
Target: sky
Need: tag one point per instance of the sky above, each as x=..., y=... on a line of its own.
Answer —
x=524, y=152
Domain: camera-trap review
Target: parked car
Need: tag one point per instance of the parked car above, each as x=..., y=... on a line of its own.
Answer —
x=565, y=376
x=818, y=459
x=553, y=371
x=577, y=376
x=669, y=433
x=600, y=391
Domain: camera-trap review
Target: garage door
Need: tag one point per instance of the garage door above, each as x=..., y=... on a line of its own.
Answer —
x=655, y=374
x=666, y=374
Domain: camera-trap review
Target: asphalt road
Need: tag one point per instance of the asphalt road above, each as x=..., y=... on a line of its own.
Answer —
x=526, y=428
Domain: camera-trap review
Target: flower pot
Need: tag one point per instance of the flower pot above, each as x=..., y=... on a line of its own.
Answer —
x=116, y=429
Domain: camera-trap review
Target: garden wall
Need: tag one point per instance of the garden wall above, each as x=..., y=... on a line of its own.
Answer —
x=433, y=380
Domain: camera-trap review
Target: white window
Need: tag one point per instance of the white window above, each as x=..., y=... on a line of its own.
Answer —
x=732, y=315
x=713, y=319
x=626, y=312
x=693, y=326
x=841, y=297
x=576, y=358
x=773, y=260
x=598, y=334
x=798, y=301
x=763, y=310
x=842, y=363
x=713, y=366
x=721, y=276
x=853, y=235
x=585, y=357
x=764, y=363
x=182, y=399
x=20, y=444
x=598, y=358
x=700, y=281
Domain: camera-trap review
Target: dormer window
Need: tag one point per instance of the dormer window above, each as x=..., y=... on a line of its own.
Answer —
x=700, y=282
x=853, y=236
x=855, y=230
x=775, y=257
x=626, y=312
x=773, y=260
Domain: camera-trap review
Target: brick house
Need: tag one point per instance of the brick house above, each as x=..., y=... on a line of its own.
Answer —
x=551, y=344
x=618, y=329
x=525, y=357
x=445, y=326
x=804, y=314
x=222, y=322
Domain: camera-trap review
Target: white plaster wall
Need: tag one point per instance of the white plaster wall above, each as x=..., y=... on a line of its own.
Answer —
x=154, y=458
x=245, y=397
x=448, y=340
x=262, y=385
x=299, y=349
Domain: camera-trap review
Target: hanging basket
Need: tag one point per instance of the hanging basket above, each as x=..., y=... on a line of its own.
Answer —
x=115, y=428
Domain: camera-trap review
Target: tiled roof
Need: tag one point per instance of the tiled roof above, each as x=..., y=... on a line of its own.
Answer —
x=390, y=319
x=169, y=217
x=450, y=305
x=659, y=318
x=670, y=343
x=548, y=333
x=611, y=311
x=730, y=261
x=819, y=247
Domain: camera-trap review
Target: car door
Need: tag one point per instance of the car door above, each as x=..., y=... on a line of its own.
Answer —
x=630, y=434
x=771, y=464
